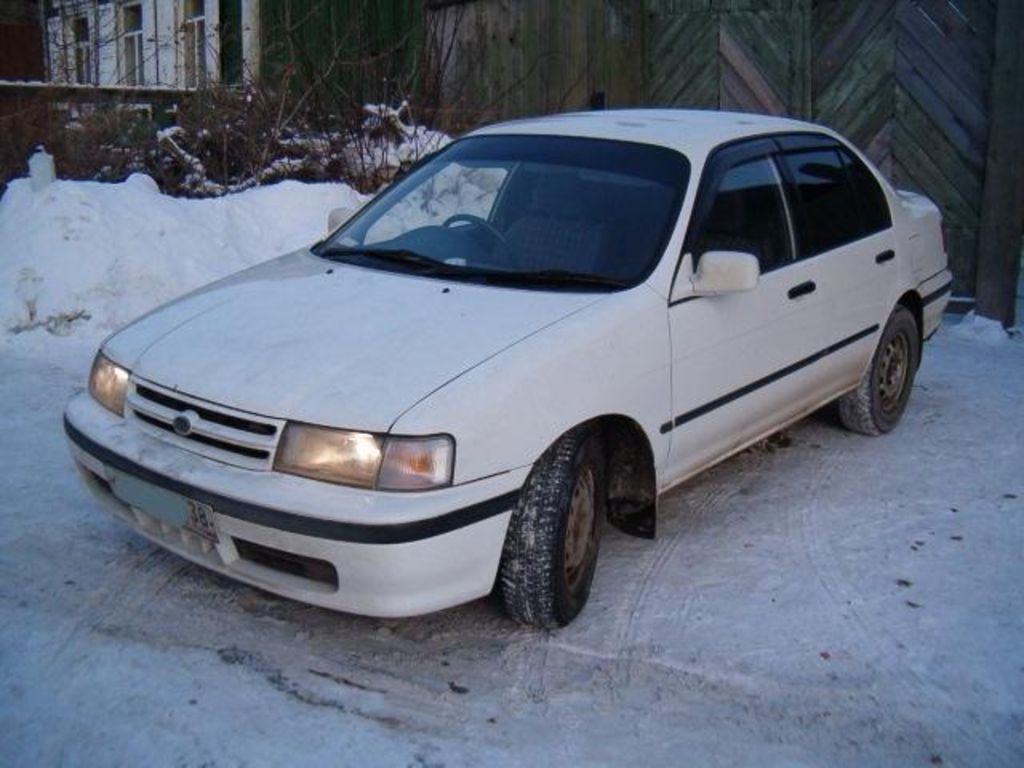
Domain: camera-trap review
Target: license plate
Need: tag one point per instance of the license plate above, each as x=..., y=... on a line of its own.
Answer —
x=199, y=520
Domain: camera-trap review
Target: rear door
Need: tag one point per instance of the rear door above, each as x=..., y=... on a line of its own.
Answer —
x=842, y=223
x=741, y=361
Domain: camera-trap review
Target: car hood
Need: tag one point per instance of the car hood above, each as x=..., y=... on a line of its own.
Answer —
x=303, y=339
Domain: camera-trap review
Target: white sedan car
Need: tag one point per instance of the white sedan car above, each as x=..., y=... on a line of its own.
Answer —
x=537, y=331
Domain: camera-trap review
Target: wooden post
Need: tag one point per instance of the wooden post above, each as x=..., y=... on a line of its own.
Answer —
x=1002, y=214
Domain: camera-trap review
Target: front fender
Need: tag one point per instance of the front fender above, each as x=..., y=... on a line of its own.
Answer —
x=610, y=358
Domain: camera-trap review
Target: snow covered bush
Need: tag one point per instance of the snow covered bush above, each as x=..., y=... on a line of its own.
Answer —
x=223, y=140
x=88, y=142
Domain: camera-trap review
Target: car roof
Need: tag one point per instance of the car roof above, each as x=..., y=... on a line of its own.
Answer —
x=694, y=132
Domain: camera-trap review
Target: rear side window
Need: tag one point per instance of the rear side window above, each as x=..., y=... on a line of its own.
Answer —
x=825, y=202
x=874, y=208
x=748, y=215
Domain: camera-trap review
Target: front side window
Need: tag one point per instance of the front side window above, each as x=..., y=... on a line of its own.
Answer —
x=131, y=24
x=525, y=210
x=825, y=203
x=748, y=215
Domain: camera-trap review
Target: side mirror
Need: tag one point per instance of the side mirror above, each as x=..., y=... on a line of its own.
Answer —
x=726, y=272
x=339, y=216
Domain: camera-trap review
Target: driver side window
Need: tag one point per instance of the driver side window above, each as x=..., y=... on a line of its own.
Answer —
x=748, y=215
x=455, y=189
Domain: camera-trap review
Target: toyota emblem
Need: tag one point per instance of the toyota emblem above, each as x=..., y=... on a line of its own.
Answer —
x=183, y=423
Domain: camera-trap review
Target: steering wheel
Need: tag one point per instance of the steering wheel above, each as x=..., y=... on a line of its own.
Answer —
x=482, y=225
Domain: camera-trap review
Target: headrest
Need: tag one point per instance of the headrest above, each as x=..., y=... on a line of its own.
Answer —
x=558, y=194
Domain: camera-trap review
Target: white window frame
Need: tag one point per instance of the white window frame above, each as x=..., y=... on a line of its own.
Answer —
x=193, y=30
x=82, y=50
x=132, y=46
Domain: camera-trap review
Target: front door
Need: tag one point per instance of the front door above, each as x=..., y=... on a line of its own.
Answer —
x=742, y=362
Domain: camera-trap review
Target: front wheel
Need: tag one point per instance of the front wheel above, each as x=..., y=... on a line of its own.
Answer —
x=878, y=402
x=550, y=553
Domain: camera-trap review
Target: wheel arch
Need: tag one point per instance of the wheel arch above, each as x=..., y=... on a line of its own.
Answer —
x=912, y=301
x=631, y=474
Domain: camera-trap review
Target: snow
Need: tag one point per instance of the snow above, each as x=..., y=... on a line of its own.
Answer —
x=974, y=327
x=106, y=253
x=401, y=141
x=829, y=599
x=822, y=599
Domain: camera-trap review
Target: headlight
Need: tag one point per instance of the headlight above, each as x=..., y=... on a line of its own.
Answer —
x=366, y=460
x=107, y=383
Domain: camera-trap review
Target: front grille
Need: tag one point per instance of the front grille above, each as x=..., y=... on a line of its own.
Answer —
x=222, y=433
x=208, y=414
x=254, y=453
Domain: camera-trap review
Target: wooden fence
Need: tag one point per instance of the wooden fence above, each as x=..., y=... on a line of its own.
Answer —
x=910, y=81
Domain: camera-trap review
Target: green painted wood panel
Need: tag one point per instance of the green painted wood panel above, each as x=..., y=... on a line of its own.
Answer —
x=908, y=81
x=525, y=57
x=366, y=48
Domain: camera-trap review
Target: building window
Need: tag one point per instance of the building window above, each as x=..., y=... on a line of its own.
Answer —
x=195, y=44
x=131, y=24
x=83, y=49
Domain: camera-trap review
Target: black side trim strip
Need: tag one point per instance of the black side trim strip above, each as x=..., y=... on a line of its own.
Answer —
x=936, y=295
x=696, y=413
x=922, y=282
x=360, y=533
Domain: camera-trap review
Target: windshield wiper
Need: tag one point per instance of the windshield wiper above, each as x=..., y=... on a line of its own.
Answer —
x=393, y=255
x=424, y=264
x=566, y=277
x=429, y=266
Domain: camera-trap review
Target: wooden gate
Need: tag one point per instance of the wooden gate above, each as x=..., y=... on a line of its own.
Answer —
x=906, y=80
x=909, y=81
x=749, y=56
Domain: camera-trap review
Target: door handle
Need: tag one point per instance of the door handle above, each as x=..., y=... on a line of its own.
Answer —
x=885, y=256
x=802, y=290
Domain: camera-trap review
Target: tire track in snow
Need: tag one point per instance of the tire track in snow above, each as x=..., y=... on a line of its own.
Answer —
x=714, y=494
x=844, y=597
x=525, y=662
x=121, y=592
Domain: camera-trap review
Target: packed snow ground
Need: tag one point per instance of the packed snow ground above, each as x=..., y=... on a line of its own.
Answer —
x=823, y=599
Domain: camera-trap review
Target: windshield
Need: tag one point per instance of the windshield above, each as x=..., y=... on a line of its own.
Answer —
x=524, y=210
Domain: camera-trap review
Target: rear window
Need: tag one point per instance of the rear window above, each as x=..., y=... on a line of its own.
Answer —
x=874, y=208
x=826, y=206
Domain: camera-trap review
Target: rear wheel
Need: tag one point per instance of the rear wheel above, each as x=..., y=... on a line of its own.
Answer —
x=550, y=552
x=878, y=402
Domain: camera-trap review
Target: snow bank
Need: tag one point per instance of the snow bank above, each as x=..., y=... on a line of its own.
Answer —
x=979, y=329
x=83, y=258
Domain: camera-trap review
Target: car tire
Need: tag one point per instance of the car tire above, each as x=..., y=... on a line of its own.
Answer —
x=878, y=402
x=550, y=553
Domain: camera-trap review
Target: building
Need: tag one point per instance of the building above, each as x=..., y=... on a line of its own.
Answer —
x=184, y=44
x=21, y=44
x=172, y=43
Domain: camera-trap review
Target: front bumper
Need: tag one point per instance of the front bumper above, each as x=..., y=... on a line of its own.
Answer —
x=392, y=554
